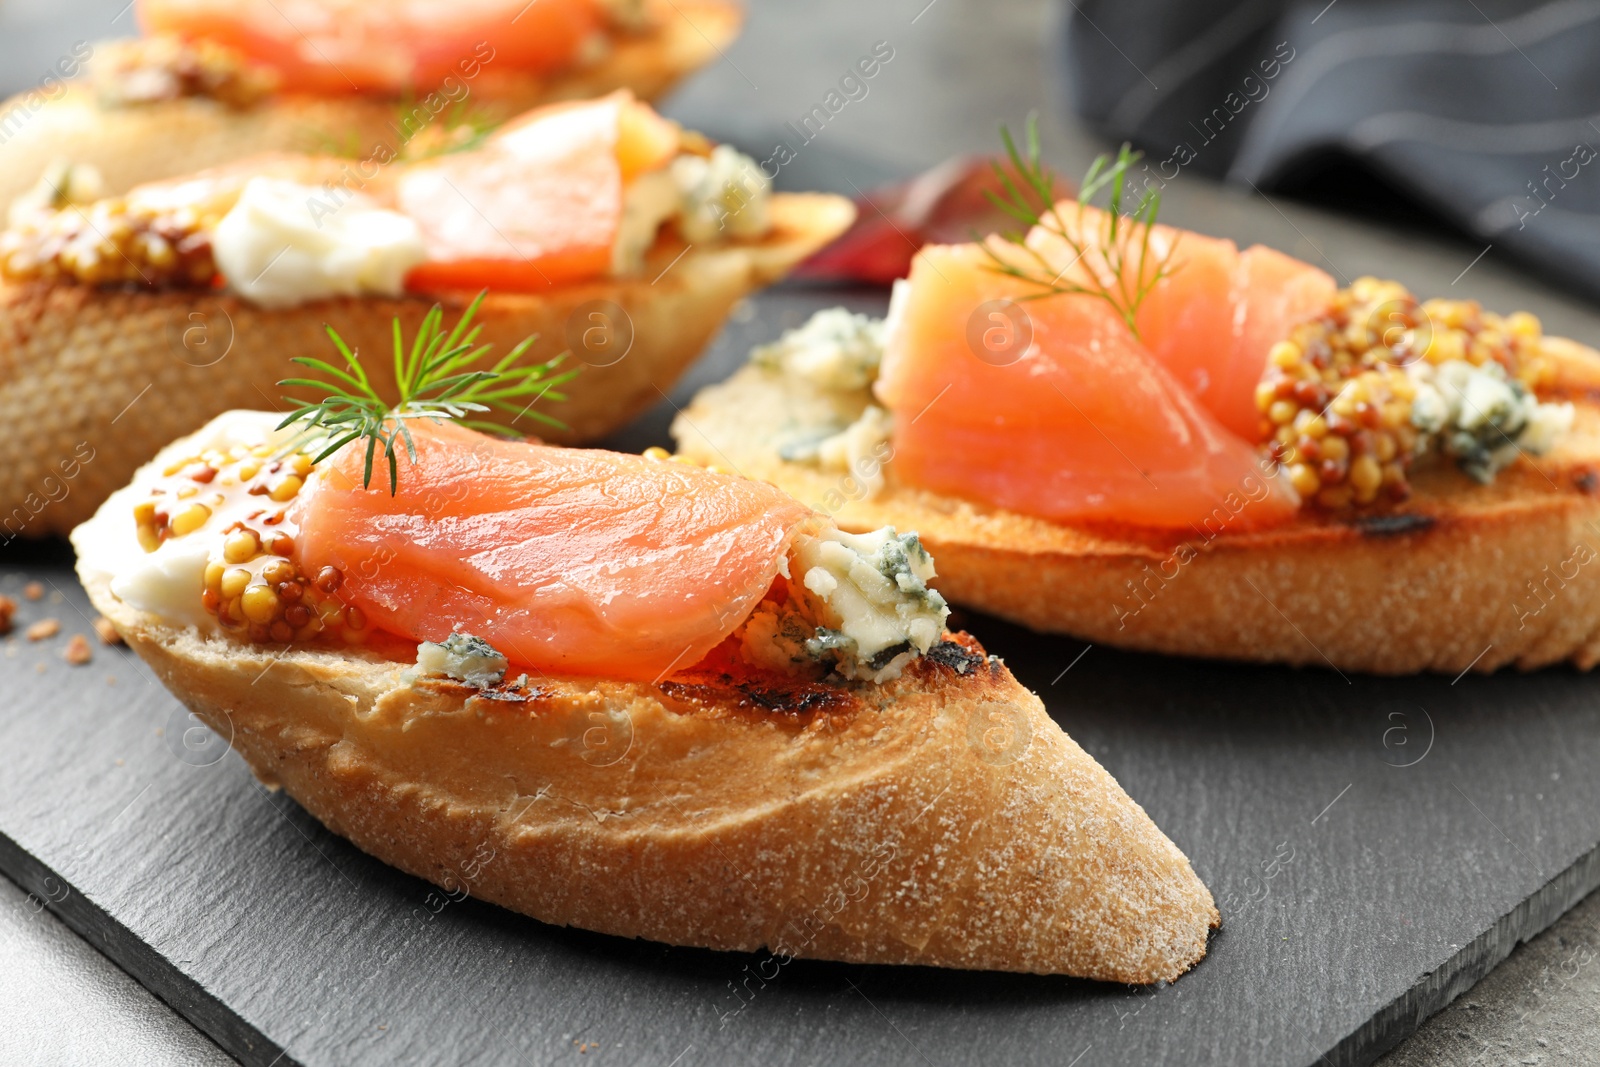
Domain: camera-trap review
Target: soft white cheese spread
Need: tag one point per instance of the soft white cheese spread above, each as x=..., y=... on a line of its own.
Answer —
x=169, y=581
x=273, y=252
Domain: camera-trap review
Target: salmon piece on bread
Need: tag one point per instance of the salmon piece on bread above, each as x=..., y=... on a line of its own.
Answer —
x=541, y=203
x=1461, y=576
x=107, y=352
x=1142, y=436
x=151, y=140
x=334, y=47
x=1214, y=312
x=1052, y=407
x=616, y=546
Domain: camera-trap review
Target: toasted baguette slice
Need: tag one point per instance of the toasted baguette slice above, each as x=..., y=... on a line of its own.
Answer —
x=112, y=375
x=942, y=819
x=142, y=143
x=1463, y=576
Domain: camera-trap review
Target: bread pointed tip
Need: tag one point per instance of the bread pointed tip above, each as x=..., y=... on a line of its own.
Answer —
x=1068, y=874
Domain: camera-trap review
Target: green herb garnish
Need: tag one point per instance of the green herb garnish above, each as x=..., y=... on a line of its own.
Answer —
x=461, y=128
x=458, y=128
x=434, y=382
x=1030, y=199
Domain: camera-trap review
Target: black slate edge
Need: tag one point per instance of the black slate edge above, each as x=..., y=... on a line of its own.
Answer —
x=1435, y=990
x=1397, y=1020
x=143, y=963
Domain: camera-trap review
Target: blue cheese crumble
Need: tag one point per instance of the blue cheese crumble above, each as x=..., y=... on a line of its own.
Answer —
x=723, y=195
x=709, y=198
x=465, y=658
x=1481, y=417
x=870, y=595
x=835, y=349
x=836, y=353
x=861, y=448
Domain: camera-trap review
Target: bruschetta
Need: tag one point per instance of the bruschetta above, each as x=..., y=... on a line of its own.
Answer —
x=616, y=240
x=212, y=81
x=1150, y=438
x=632, y=695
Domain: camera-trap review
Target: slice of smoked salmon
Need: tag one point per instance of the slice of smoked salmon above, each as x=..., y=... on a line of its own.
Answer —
x=539, y=204
x=569, y=561
x=1215, y=314
x=1052, y=408
x=345, y=46
x=1275, y=292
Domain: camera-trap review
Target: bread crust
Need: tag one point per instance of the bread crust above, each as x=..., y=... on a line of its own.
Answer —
x=943, y=819
x=116, y=374
x=1463, y=576
x=149, y=142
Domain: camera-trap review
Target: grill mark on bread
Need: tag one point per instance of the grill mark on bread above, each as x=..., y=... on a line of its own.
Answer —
x=963, y=655
x=761, y=693
x=1394, y=524
x=505, y=692
x=957, y=659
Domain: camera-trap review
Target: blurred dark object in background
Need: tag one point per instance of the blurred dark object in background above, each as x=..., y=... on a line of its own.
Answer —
x=1480, y=114
x=945, y=205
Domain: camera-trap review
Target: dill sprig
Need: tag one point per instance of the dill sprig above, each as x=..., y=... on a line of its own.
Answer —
x=460, y=128
x=1118, y=269
x=434, y=380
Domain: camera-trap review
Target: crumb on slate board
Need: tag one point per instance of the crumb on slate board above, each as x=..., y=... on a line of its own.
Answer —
x=42, y=629
x=108, y=633
x=33, y=590
x=77, y=651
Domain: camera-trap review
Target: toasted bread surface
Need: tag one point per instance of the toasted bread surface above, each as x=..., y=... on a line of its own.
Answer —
x=94, y=381
x=141, y=143
x=942, y=819
x=1461, y=576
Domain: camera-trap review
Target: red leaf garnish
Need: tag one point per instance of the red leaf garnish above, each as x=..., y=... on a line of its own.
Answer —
x=944, y=205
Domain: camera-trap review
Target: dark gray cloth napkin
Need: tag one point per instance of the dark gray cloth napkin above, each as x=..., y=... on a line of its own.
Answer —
x=1481, y=113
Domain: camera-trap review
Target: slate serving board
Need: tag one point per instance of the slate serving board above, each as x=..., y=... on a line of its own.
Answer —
x=1375, y=847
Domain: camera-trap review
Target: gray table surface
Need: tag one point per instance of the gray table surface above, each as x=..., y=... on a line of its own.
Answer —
x=960, y=68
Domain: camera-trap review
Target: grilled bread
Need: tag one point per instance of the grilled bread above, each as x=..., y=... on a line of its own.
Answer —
x=140, y=143
x=1463, y=576
x=94, y=381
